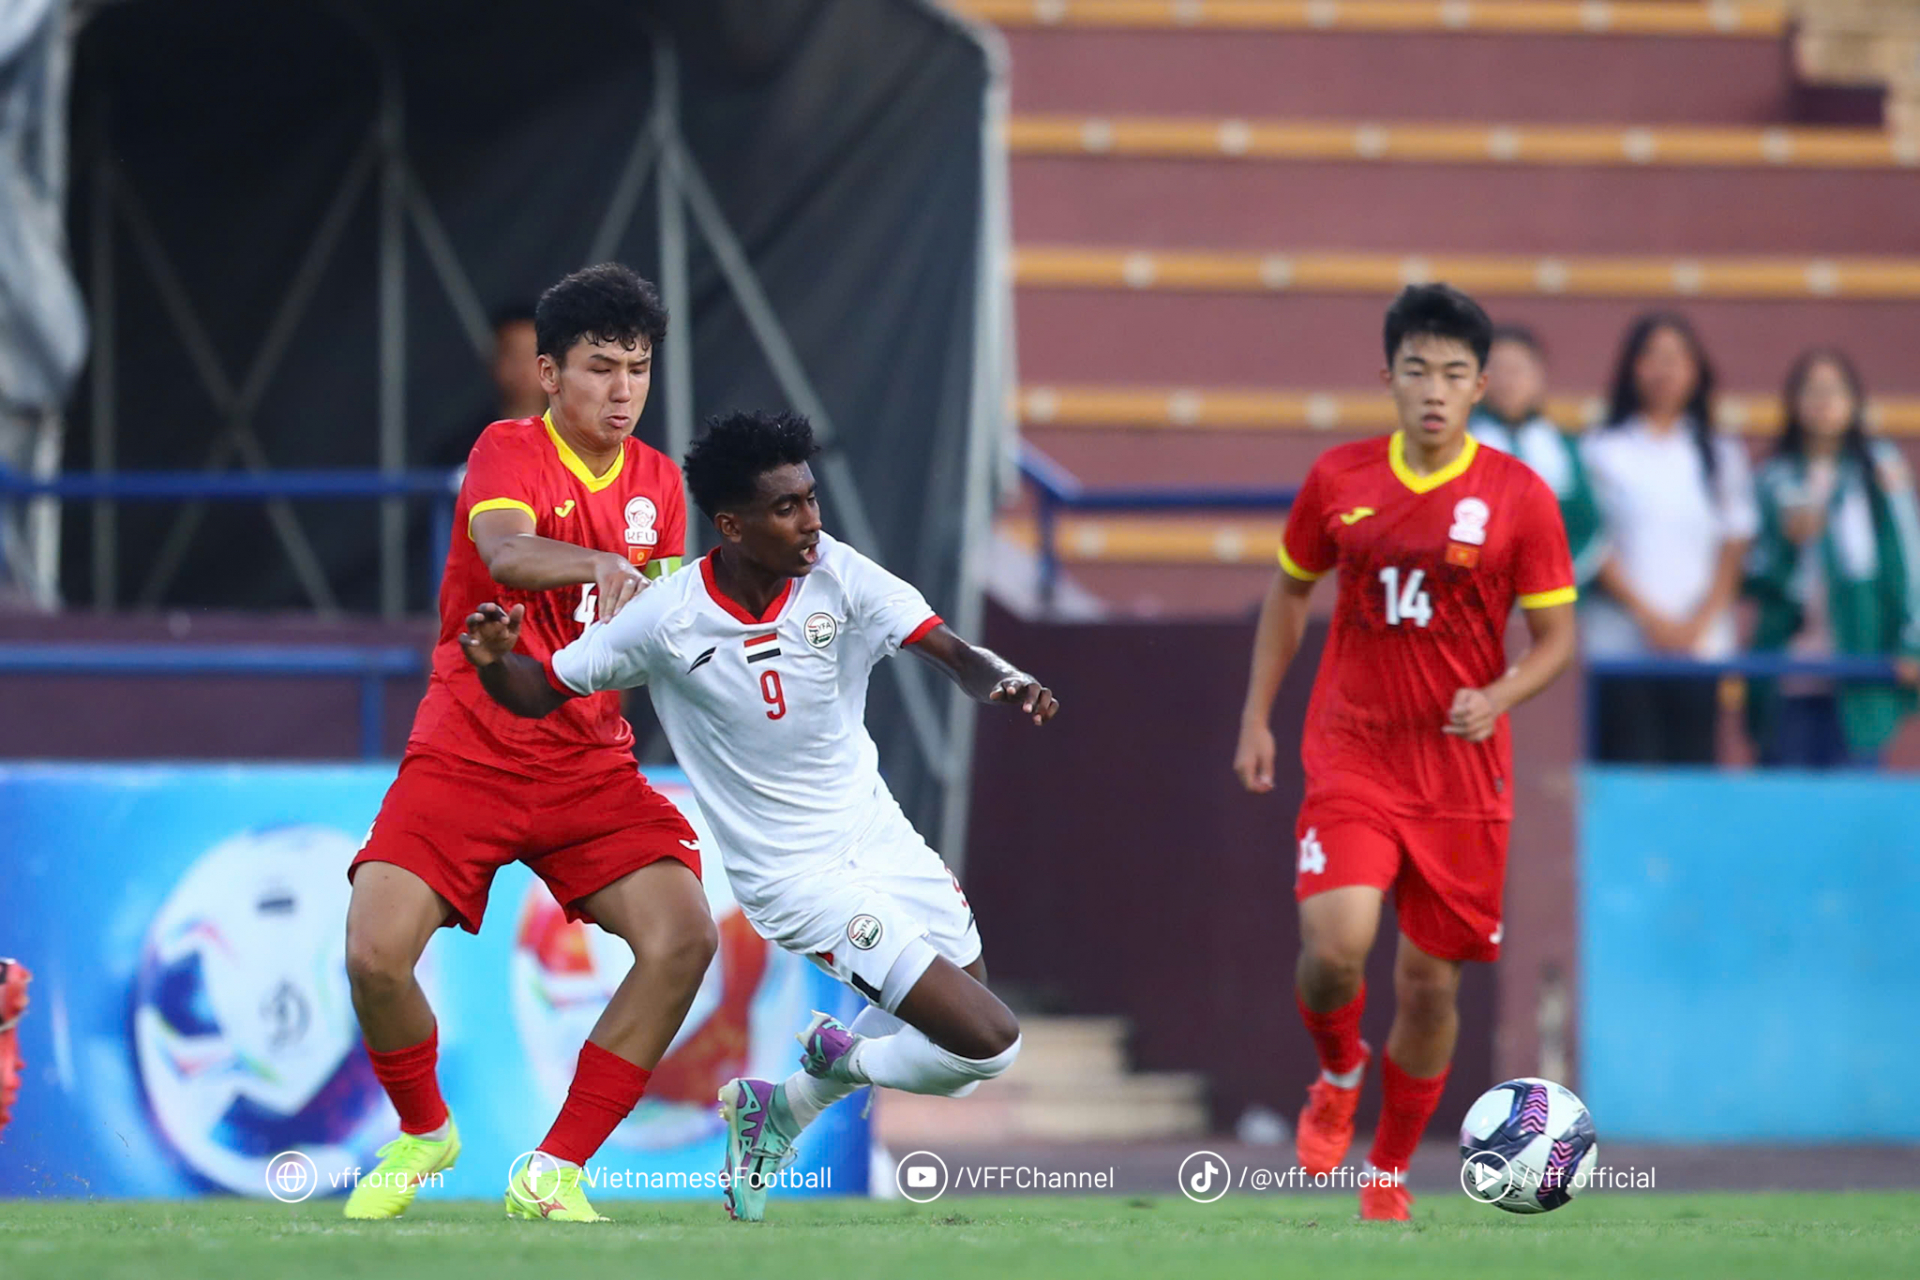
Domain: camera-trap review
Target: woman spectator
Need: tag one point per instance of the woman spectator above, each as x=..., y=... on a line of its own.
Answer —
x=1676, y=499
x=1835, y=569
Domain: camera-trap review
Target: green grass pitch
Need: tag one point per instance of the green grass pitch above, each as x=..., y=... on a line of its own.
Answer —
x=1642, y=1237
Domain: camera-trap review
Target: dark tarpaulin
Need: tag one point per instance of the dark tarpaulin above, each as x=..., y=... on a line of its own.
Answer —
x=842, y=139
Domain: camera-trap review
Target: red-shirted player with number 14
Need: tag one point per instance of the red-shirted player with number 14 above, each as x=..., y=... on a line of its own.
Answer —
x=562, y=515
x=1406, y=750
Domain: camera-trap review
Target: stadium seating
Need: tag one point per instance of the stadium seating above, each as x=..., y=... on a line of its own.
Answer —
x=1213, y=202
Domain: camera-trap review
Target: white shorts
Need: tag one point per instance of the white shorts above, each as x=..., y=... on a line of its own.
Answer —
x=856, y=918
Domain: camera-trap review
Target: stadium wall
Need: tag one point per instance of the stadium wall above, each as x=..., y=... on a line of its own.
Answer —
x=1117, y=867
x=1752, y=967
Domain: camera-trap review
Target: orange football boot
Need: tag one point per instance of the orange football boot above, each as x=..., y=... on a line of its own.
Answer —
x=1326, y=1126
x=1385, y=1200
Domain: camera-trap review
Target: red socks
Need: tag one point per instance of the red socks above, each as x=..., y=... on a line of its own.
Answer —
x=606, y=1087
x=410, y=1081
x=1410, y=1103
x=1336, y=1035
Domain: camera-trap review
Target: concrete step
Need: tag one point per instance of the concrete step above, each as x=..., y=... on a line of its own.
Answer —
x=1076, y=336
x=1145, y=1107
x=1349, y=203
x=1070, y=1081
x=1186, y=410
x=1485, y=275
x=1415, y=74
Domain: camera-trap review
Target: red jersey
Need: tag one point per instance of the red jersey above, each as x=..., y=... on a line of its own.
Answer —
x=636, y=509
x=1430, y=569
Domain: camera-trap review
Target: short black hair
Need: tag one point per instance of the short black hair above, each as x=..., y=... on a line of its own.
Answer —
x=604, y=303
x=1442, y=311
x=1520, y=336
x=724, y=466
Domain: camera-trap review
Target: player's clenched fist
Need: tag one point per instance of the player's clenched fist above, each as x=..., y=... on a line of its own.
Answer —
x=616, y=581
x=1032, y=697
x=1472, y=716
x=491, y=633
x=1253, y=758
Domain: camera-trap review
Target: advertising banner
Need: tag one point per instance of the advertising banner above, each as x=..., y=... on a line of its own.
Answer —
x=191, y=1021
x=1749, y=965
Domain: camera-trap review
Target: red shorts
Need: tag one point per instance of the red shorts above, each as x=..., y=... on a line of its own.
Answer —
x=1446, y=874
x=454, y=823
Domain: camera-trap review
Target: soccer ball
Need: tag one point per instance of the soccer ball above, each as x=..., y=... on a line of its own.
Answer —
x=243, y=1031
x=1528, y=1144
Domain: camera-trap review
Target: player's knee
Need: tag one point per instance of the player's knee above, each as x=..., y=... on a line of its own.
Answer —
x=680, y=953
x=376, y=967
x=990, y=1037
x=1425, y=992
x=1328, y=969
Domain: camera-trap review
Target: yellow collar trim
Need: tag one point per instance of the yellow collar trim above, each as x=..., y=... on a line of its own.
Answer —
x=1397, y=459
x=571, y=460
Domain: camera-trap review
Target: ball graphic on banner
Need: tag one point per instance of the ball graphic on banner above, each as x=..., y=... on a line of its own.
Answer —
x=741, y=1023
x=244, y=1036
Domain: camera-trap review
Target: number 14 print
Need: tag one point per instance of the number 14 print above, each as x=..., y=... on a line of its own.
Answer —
x=1406, y=603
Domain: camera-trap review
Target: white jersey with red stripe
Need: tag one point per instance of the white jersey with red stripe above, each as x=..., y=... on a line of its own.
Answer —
x=767, y=716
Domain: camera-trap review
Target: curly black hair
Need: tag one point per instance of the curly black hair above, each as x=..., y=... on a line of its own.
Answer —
x=1442, y=311
x=724, y=466
x=605, y=303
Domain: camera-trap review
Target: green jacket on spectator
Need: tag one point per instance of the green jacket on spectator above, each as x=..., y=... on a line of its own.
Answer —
x=1555, y=458
x=1872, y=586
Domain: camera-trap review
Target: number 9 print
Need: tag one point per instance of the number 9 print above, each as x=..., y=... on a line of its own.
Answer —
x=775, y=695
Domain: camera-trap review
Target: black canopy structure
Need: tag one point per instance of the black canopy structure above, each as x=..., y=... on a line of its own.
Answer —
x=293, y=221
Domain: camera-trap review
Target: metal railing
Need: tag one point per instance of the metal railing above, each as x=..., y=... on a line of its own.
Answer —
x=372, y=666
x=1056, y=490
x=440, y=487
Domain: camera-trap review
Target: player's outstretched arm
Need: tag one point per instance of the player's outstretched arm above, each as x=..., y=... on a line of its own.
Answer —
x=1276, y=638
x=517, y=557
x=985, y=675
x=1475, y=712
x=511, y=679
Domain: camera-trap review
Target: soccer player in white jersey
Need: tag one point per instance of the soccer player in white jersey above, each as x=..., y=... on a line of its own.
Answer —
x=757, y=660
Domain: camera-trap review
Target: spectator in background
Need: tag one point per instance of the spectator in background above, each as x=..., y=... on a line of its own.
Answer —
x=1835, y=569
x=1512, y=418
x=514, y=368
x=1676, y=502
x=516, y=364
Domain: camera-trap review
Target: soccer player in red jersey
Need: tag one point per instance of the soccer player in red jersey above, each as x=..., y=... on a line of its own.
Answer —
x=565, y=514
x=1406, y=749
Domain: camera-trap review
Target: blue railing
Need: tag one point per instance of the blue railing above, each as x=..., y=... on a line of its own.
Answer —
x=1056, y=490
x=371, y=666
x=243, y=486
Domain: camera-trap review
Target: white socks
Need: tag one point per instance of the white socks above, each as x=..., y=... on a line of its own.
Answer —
x=1345, y=1079
x=895, y=1056
x=807, y=1097
x=910, y=1062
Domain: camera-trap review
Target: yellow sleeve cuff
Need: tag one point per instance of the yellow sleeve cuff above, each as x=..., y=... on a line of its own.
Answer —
x=499, y=504
x=661, y=568
x=1293, y=570
x=1547, y=599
